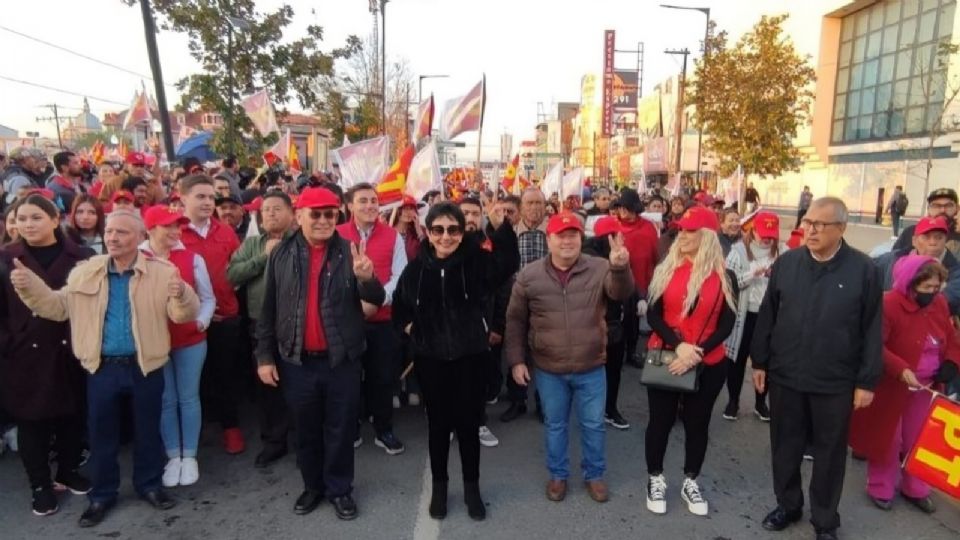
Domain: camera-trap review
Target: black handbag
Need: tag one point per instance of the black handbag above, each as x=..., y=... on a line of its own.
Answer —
x=657, y=375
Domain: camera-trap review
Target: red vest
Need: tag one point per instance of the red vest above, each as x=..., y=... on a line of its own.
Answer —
x=216, y=250
x=702, y=322
x=185, y=334
x=380, y=246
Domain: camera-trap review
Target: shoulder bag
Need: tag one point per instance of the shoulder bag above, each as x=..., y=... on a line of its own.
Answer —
x=656, y=375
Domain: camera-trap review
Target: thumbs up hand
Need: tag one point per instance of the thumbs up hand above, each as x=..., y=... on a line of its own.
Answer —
x=20, y=275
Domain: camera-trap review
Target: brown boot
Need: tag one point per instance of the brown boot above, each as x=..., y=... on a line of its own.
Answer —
x=556, y=490
x=598, y=490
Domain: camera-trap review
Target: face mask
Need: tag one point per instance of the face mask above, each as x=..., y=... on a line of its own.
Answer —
x=925, y=299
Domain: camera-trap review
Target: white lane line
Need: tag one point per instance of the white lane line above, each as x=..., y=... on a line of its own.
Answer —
x=426, y=528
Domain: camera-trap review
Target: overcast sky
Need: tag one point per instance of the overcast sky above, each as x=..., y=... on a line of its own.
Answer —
x=532, y=51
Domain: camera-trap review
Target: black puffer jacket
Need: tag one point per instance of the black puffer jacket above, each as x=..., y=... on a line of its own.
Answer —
x=445, y=299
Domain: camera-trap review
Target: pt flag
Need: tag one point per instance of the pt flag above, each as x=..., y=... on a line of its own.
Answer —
x=553, y=181
x=279, y=151
x=935, y=458
x=293, y=154
x=260, y=111
x=390, y=189
x=424, y=174
x=97, y=152
x=364, y=161
x=464, y=113
x=139, y=111
x=424, y=120
x=511, y=175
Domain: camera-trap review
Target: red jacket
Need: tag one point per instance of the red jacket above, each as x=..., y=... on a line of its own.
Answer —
x=905, y=327
x=702, y=321
x=640, y=238
x=216, y=250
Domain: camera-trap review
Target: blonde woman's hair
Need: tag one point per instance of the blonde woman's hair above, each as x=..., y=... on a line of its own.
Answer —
x=709, y=259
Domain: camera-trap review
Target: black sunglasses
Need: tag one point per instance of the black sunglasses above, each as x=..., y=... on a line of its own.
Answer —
x=452, y=230
x=327, y=214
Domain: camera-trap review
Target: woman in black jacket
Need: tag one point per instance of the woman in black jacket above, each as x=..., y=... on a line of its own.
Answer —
x=439, y=304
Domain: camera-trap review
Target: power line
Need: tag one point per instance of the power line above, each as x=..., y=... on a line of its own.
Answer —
x=62, y=91
x=81, y=55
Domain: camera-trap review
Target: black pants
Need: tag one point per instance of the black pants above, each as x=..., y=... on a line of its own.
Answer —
x=739, y=367
x=272, y=408
x=325, y=402
x=824, y=420
x=800, y=213
x=631, y=325
x=34, y=442
x=695, y=414
x=381, y=372
x=453, y=394
x=614, y=368
x=494, y=372
x=223, y=371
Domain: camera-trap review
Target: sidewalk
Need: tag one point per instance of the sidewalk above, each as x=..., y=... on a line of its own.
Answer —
x=863, y=236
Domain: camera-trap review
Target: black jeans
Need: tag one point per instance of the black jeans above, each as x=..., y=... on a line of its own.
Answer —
x=325, y=402
x=34, y=442
x=273, y=414
x=453, y=394
x=614, y=368
x=381, y=372
x=223, y=371
x=494, y=372
x=739, y=367
x=824, y=421
x=695, y=414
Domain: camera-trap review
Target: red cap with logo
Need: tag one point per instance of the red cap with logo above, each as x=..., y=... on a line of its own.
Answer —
x=699, y=217
x=766, y=225
x=317, y=197
x=122, y=194
x=163, y=215
x=408, y=201
x=136, y=159
x=564, y=221
x=928, y=224
x=607, y=225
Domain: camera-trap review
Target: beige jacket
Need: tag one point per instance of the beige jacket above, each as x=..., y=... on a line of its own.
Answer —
x=83, y=300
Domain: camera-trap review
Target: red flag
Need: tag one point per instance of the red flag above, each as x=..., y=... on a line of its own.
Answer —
x=138, y=112
x=96, y=152
x=424, y=120
x=278, y=151
x=390, y=189
x=935, y=458
x=293, y=155
x=511, y=175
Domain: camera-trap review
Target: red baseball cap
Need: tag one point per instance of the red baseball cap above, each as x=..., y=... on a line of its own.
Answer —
x=766, y=225
x=564, y=221
x=136, y=159
x=163, y=215
x=43, y=192
x=607, y=225
x=317, y=197
x=122, y=194
x=254, y=205
x=928, y=224
x=796, y=239
x=409, y=201
x=699, y=217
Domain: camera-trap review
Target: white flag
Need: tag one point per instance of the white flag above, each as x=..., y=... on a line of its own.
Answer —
x=553, y=181
x=424, y=174
x=365, y=161
x=573, y=183
x=464, y=113
x=260, y=111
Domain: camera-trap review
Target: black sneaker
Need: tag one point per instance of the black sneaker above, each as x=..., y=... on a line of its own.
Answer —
x=616, y=420
x=45, y=501
x=73, y=481
x=731, y=411
x=390, y=443
x=762, y=411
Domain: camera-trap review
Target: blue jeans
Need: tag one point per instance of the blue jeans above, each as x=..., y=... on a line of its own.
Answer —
x=180, y=416
x=588, y=393
x=104, y=390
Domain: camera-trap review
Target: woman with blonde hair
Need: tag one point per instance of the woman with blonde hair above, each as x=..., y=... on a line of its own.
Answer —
x=692, y=311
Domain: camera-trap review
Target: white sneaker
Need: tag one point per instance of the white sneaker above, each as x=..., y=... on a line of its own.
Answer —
x=396, y=402
x=487, y=438
x=691, y=495
x=10, y=439
x=189, y=471
x=171, y=472
x=657, y=494
x=414, y=400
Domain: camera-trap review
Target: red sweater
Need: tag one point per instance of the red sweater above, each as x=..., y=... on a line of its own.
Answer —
x=314, y=338
x=216, y=249
x=640, y=238
x=380, y=247
x=702, y=322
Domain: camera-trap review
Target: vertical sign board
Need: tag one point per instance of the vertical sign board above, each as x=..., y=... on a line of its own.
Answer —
x=609, y=44
x=625, y=87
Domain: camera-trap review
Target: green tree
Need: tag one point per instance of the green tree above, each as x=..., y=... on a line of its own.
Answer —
x=752, y=98
x=262, y=56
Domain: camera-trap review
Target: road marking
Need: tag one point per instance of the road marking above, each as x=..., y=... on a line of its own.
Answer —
x=426, y=528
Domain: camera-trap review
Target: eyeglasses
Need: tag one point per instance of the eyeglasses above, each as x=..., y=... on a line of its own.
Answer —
x=328, y=214
x=943, y=206
x=452, y=230
x=817, y=226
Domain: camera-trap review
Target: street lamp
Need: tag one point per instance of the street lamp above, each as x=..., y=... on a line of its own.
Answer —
x=234, y=24
x=383, y=64
x=706, y=53
x=420, y=84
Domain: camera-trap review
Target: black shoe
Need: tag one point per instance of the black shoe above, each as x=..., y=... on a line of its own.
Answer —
x=731, y=411
x=45, y=501
x=827, y=534
x=389, y=442
x=345, y=508
x=73, y=481
x=438, y=500
x=94, y=514
x=780, y=519
x=307, y=502
x=268, y=456
x=617, y=420
x=471, y=496
x=514, y=411
x=762, y=411
x=159, y=499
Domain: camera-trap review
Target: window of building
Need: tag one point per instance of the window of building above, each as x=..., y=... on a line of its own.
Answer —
x=887, y=80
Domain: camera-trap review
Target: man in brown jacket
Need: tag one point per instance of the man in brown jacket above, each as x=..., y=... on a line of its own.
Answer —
x=557, y=308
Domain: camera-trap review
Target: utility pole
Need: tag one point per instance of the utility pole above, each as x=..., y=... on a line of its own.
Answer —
x=383, y=63
x=150, y=31
x=680, y=108
x=54, y=118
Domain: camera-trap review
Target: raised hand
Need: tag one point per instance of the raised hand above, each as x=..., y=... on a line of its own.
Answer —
x=362, y=265
x=619, y=256
x=20, y=275
x=495, y=215
x=175, y=286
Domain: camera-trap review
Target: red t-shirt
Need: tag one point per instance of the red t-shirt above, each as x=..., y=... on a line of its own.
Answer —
x=314, y=339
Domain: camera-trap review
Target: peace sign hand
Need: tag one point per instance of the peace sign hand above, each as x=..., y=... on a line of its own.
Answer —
x=362, y=265
x=619, y=256
x=495, y=215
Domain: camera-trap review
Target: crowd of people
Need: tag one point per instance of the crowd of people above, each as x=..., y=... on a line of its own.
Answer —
x=140, y=301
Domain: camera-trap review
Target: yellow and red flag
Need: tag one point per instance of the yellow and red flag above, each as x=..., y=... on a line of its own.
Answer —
x=139, y=111
x=96, y=152
x=390, y=189
x=122, y=149
x=511, y=175
x=935, y=458
x=293, y=155
x=424, y=120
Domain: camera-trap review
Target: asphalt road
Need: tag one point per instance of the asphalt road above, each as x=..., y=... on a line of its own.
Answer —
x=234, y=500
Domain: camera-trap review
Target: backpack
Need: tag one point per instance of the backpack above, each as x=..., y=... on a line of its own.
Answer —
x=901, y=205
